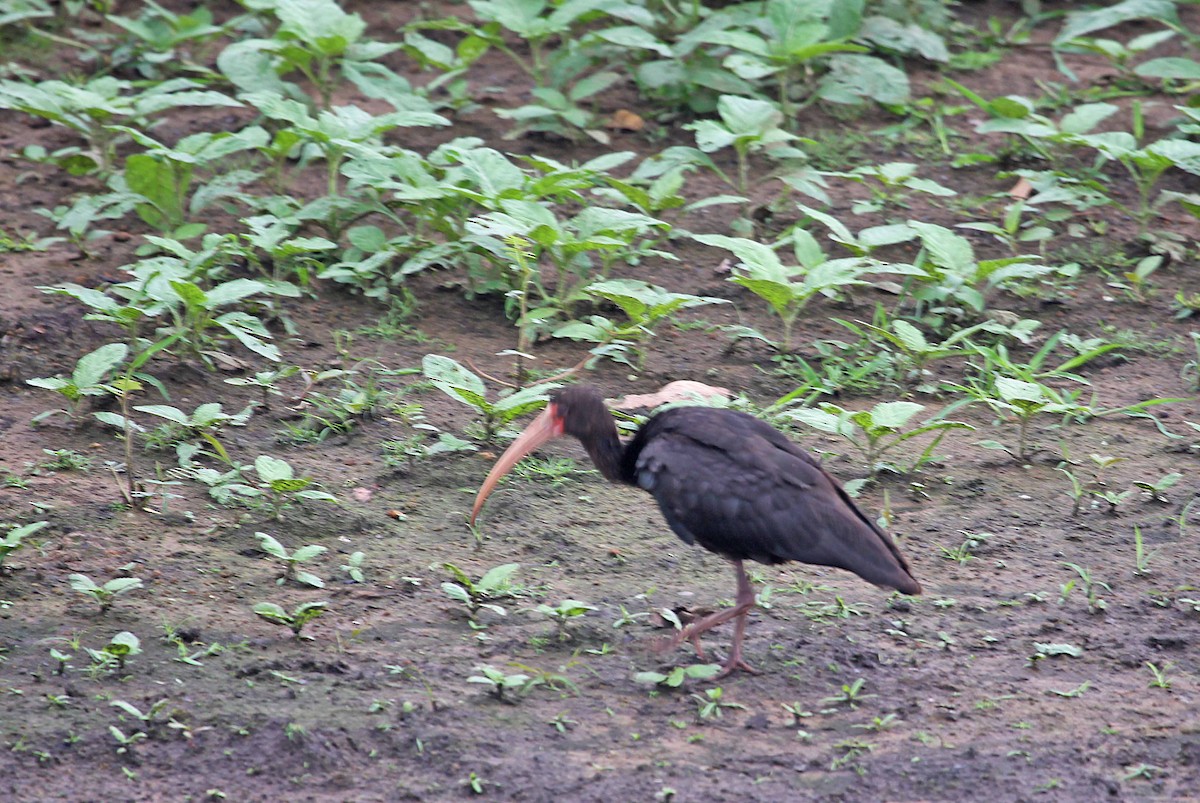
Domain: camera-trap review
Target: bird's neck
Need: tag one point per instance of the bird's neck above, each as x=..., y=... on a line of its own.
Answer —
x=607, y=453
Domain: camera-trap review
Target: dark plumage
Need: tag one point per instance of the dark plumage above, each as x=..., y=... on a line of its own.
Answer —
x=728, y=482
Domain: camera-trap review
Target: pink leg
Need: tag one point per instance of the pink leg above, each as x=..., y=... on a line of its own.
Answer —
x=741, y=611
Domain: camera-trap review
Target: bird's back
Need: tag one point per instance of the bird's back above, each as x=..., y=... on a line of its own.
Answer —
x=741, y=488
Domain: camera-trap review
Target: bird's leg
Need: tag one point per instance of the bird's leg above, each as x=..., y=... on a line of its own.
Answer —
x=745, y=601
x=740, y=611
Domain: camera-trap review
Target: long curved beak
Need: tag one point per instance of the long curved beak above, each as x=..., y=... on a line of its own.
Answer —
x=546, y=427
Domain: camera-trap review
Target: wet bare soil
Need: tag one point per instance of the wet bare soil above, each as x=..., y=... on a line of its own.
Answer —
x=964, y=692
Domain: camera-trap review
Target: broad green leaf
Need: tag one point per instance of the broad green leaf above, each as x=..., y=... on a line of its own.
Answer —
x=497, y=577
x=445, y=371
x=822, y=420
x=92, y=367
x=894, y=414
x=947, y=249
x=1171, y=67
x=1016, y=390
x=910, y=336
x=270, y=469
x=1082, y=23
x=308, y=552
x=173, y=414
x=271, y=546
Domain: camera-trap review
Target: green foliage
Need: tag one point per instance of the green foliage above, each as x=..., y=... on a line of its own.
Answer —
x=675, y=678
x=183, y=430
x=296, y=620
x=87, y=379
x=105, y=594
x=787, y=289
x=279, y=482
x=498, y=681
x=748, y=126
x=463, y=386
x=14, y=536
x=272, y=547
x=496, y=583
x=644, y=305
x=564, y=612
x=877, y=431
x=951, y=282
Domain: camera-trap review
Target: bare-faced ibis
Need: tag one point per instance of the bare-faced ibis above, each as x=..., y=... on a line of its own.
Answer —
x=728, y=482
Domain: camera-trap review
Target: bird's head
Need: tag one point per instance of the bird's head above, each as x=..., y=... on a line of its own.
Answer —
x=578, y=411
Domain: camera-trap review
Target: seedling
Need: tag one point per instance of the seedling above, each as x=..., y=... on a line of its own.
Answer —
x=121, y=647
x=475, y=782
x=627, y=618
x=1078, y=691
x=292, y=559
x=644, y=305
x=498, y=681
x=963, y=552
x=91, y=108
x=1160, y=680
x=463, y=386
x=13, y=538
x=279, y=481
x=710, y=704
x=561, y=722
x=1091, y=588
x=476, y=595
x=296, y=620
x=146, y=716
x=105, y=594
x=86, y=380
x=748, y=126
x=65, y=460
x=798, y=712
x=564, y=612
x=126, y=743
x=1157, y=490
x=1046, y=650
x=353, y=567
x=852, y=694
x=883, y=723
x=675, y=678
x=876, y=431
x=787, y=289
x=183, y=429
x=1015, y=401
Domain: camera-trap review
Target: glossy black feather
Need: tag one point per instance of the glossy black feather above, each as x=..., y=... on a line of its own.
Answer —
x=738, y=487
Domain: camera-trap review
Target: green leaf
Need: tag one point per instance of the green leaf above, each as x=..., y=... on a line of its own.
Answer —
x=271, y=469
x=449, y=374
x=93, y=367
x=83, y=583
x=272, y=612
x=271, y=546
x=1171, y=67
x=946, y=249
x=119, y=585
x=497, y=577
x=124, y=643
x=894, y=414
x=1016, y=390
x=1082, y=23
x=173, y=414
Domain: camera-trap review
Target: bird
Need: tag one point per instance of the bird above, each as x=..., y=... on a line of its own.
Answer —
x=729, y=482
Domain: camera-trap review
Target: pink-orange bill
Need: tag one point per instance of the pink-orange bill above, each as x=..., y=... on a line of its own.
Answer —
x=547, y=426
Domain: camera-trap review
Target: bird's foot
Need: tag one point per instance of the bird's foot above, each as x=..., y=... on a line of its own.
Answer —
x=661, y=645
x=733, y=663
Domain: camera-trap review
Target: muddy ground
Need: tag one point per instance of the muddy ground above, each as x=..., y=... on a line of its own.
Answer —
x=862, y=696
